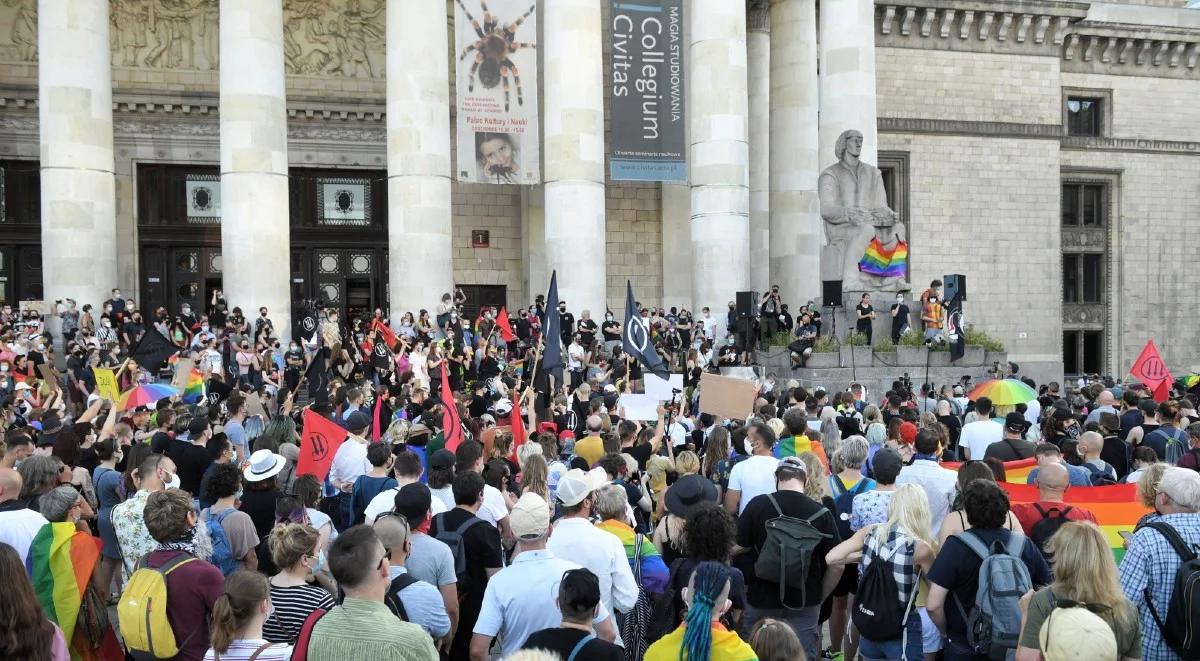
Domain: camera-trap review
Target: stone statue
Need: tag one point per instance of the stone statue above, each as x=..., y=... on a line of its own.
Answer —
x=854, y=208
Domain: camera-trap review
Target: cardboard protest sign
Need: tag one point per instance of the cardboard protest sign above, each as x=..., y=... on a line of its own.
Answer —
x=183, y=372
x=106, y=384
x=727, y=397
x=49, y=376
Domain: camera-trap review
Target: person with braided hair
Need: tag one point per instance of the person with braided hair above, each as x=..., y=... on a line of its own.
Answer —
x=702, y=637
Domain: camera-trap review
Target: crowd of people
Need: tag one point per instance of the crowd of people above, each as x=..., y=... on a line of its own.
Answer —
x=480, y=507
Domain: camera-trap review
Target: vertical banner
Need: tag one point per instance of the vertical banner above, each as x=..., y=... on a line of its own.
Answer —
x=497, y=83
x=648, y=118
x=956, y=330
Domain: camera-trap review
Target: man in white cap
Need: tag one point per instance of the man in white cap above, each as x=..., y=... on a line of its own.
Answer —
x=576, y=538
x=520, y=599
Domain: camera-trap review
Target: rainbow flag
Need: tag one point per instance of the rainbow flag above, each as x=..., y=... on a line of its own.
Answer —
x=794, y=446
x=654, y=570
x=1015, y=472
x=60, y=563
x=193, y=392
x=885, y=262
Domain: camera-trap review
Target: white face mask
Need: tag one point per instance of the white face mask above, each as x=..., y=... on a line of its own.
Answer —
x=174, y=483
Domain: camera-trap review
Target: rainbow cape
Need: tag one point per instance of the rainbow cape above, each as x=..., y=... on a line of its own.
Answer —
x=193, y=391
x=1115, y=507
x=885, y=262
x=654, y=570
x=60, y=563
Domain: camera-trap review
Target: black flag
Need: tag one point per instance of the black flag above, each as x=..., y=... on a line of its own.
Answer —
x=216, y=392
x=552, y=362
x=381, y=358
x=636, y=338
x=956, y=331
x=152, y=350
x=317, y=376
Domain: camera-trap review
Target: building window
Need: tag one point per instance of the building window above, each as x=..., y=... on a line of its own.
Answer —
x=1083, y=205
x=1085, y=230
x=1083, y=278
x=1085, y=116
x=1083, y=352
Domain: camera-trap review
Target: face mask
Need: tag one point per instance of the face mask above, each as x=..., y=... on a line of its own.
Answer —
x=118, y=456
x=40, y=347
x=3, y=368
x=608, y=317
x=204, y=327
x=239, y=494
x=320, y=563
x=173, y=483
x=107, y=323
x=263, y=313
x=295, y=347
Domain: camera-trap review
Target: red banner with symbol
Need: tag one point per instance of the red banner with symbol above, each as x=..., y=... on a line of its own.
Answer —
x=1150, y=369
x=319, y=442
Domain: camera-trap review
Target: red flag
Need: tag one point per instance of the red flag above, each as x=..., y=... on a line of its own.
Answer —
x=518, y=428
x=451, y=428
x=318, y=444
x=386, y=332
x=506, y=331
x=376, y=432
x=1150, y=369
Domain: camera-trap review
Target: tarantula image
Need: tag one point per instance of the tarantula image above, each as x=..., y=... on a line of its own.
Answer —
x=492, y=50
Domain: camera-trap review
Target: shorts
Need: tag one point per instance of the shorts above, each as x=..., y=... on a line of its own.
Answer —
x=906, y=648
x=931, y=637
x=848, y=584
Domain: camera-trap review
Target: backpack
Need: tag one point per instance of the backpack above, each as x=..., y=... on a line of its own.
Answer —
x=1044, y=529
x=787, y=554
x=994, y=623
x=1184, y=608
x=142, y=611
x=458, y=547
x=848, y=424
x=1176, y=445
x=1099, y=478
x=300, y=647
x=877, y=607
x=843, y=505
x=664, y=613
x=222, y=554
x=392, y=598
x=635, y=623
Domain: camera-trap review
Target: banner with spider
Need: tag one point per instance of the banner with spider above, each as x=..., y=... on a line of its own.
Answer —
x=497, y=83
x=648, y=113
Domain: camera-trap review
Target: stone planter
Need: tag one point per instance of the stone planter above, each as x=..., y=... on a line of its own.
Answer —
x=824, y=360
x=855, y=356
x=973, y=356
x=990, y=357
x=910, y=356
x=939, y=359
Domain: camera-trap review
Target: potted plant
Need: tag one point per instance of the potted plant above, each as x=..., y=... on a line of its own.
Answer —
x=856, y=351
x=825, y=353
x=992, y=347
x=911, y=350
x=885, y=345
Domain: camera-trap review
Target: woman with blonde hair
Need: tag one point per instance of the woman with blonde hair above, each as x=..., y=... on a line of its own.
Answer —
x=1147, y=490
x=775, y=640
x=814, y=488
x=904, y=545
x=294, y=549
x=1085, y=576
x=237, y=621
x=535, y=475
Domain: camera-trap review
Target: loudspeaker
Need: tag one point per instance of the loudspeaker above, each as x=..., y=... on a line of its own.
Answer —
x=955, y=285
x=747, y=303
x=831, y=293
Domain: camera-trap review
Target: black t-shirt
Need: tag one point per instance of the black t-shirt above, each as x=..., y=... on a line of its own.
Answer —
x=562, y=641
x=901, y=319
x=642, y=454
x=864, y=308
x=587, y=331
x=191, y=460
x=566, y=325
x=609, y=328
x=482, y=542
x=752, y=534
x=957, y=569
x=87, y=459
x=294, y=356
x=1114, y=452
x=260, y=507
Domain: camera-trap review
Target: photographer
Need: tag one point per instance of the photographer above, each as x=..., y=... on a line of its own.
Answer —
x=772, y=305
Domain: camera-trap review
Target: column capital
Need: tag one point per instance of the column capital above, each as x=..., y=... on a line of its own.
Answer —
x=758, y=15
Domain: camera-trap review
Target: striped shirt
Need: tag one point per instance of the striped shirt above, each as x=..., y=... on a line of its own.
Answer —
x=292, y=605
x=242, y=650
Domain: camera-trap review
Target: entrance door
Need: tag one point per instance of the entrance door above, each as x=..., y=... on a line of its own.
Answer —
x=478, y=296
x=20, y=274
x=196, y=273
x=348, y=280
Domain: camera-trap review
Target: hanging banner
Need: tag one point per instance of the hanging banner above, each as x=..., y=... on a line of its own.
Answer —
x=646, y=72
x=497, y=82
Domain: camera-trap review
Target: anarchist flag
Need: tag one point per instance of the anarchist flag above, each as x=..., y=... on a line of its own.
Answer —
x=636, y=338
x=216, y=392
x=152, y=350
x=319, y=442
x=317, y=375
x=1150, y=369
x=381, y=357
x=552, y=361
x=385, y=333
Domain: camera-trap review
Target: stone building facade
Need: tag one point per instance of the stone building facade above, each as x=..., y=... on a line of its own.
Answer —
x=1049, y=150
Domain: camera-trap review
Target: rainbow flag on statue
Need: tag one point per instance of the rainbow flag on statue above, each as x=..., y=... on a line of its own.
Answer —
x=193, y=391
x=1115, y=507
x=885, y=262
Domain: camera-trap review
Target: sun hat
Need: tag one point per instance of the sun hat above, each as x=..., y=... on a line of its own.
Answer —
x=688, y=491
x=263, y=464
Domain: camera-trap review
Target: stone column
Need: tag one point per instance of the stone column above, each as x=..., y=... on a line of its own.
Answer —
x=796, y=231
x=574, y=155
x=848, y=76
x=720, y=158
x=758, y=50
x=255, y=248
x=533, y=241
x=677, y=246
x=79, y=227
x=420, y=256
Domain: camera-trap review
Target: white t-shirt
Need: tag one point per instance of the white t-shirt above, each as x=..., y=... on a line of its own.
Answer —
x=385, y=500
x=574, y=357
x=977, y=436
x=494, y=507
x=349, y=463
x=445, y=494
x=753, y=476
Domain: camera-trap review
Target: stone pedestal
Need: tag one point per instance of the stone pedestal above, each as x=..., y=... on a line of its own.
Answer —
x=574, y=154
x=255, y=244
x=795, y=219
x=79, y=228
x=758, y=50
x=719, y=162
x=421, y=259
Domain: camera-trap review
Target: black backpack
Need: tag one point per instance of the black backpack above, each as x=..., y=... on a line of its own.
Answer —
x=458, y=546
x=665, y=615
x=1099, y=478
x=1052, y=519
x=844, y=505
x=877, y=607
x=1184, y=609
x=392, y=598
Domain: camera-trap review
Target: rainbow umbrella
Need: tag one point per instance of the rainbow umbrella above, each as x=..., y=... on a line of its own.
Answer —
x=1004, y=392
x=144, y=395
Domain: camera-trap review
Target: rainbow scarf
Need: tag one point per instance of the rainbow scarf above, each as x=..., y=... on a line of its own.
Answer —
x=654, y=570
x=1116, y=507
x=193, y=391
x=726, y=646
x=885, y=262
x=60, y=564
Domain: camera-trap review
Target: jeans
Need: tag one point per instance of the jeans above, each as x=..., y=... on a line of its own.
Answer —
x=907, y=648
x=803, y=622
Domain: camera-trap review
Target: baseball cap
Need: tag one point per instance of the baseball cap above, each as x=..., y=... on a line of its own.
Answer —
x=1076, y=633
x=441, y=460
x=1015, y=423
x=357, y=420
x=576, y=485
x=198, y=426
x=886, y=464
x=530, y=517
